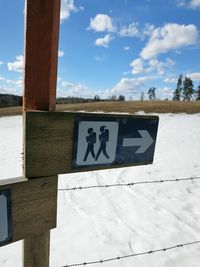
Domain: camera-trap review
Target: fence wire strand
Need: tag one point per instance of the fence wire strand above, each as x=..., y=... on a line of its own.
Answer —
x=129, y=184
x=133, y=255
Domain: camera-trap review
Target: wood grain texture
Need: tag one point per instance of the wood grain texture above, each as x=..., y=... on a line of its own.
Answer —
x=35, y=252
x=34, y=205
x=49, y=142
x=40, y=79
x=41, y=54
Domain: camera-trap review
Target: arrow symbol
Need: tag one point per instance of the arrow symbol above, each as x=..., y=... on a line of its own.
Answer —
x=144, y=142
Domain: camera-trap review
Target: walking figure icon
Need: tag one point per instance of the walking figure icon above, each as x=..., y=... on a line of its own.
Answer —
x=103, y=138
x=91, y=140
x=95, y=145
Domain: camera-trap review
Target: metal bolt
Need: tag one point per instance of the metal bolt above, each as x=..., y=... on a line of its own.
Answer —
x=43, y=127
x=45, y=186
x=45, y=165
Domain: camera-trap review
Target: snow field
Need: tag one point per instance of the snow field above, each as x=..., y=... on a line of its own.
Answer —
x=103, y=223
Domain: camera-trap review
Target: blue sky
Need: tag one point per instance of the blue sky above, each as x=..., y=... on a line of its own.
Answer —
x=110, y=47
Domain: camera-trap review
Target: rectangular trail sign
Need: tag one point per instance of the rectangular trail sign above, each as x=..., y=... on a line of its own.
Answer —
x=114, y=141
x=65, y=142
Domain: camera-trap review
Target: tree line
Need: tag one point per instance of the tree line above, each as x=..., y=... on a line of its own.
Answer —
x=185, y=90
x=7, y=100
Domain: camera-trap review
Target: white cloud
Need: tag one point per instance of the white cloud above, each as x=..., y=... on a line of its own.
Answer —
x=101, y=23
x=1, y=63
x=10, y=90
x=130, y=31
x=16, y=65
x=104, y=41
x=193, y=4
x=17, y=83
x=126, y=73
x=125, y=86
x=60, y=53
x=160, y=66
x=129, y=86
x=148, y=29
x=66, y=88
x=181, y=3
x=137, y=65
x=67, y=6
x=164, y=93
x=195, y=76
x=141, y=66
x=133, y=30
x=11, y=86
x=170, y=80
x=127, y=48
x=170, y=37
x=99, y=58
x=81, y=8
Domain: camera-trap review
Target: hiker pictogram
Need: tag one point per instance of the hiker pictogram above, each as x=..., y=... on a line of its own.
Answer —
x=103, y=138
x=95, y=145
x=91, y=140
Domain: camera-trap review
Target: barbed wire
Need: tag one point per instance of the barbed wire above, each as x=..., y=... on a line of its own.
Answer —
x=129, y=184
x=133, y=255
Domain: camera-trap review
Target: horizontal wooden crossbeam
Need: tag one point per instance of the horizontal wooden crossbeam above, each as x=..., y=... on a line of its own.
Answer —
x=51, y=137
x=33, y=205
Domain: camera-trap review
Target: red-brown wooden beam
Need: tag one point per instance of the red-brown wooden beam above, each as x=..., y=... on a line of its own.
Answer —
x=41, y=54
x=40, y=79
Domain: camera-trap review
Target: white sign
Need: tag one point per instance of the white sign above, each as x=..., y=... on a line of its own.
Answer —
x=97, y=142
x=4, y=214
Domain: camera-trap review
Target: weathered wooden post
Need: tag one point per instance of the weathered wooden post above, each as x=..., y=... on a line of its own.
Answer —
x=40, y=78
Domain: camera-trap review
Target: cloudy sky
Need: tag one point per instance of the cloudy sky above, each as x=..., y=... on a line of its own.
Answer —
x=110, y=47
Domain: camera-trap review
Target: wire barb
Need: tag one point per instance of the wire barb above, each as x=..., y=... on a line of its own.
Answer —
x=134, y=255
x=129, y=184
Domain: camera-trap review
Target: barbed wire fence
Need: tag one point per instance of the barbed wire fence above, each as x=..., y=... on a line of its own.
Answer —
x=130, y=184
x=133, y=255
x=78, y=188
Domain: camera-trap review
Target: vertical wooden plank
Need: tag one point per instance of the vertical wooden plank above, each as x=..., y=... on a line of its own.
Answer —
x=36, y=251
x=34, y=206
x=40, y=65
x=41, y=54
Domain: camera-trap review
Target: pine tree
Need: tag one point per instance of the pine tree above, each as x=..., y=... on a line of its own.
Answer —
x=188, y=90
x=198, y=93
x=178, y=90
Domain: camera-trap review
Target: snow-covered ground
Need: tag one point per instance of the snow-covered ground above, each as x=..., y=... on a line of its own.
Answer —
x=103, y=223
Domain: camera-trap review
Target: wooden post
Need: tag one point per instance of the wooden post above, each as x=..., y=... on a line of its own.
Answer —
x=40, y=65
x=37, y=250
x=41, y=54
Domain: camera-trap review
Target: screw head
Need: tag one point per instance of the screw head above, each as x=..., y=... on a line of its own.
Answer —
x=45, y=186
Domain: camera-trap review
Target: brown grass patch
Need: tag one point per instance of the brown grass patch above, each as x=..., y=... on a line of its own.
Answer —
x=135, y=106
x=126, y=106
x=11, y=111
